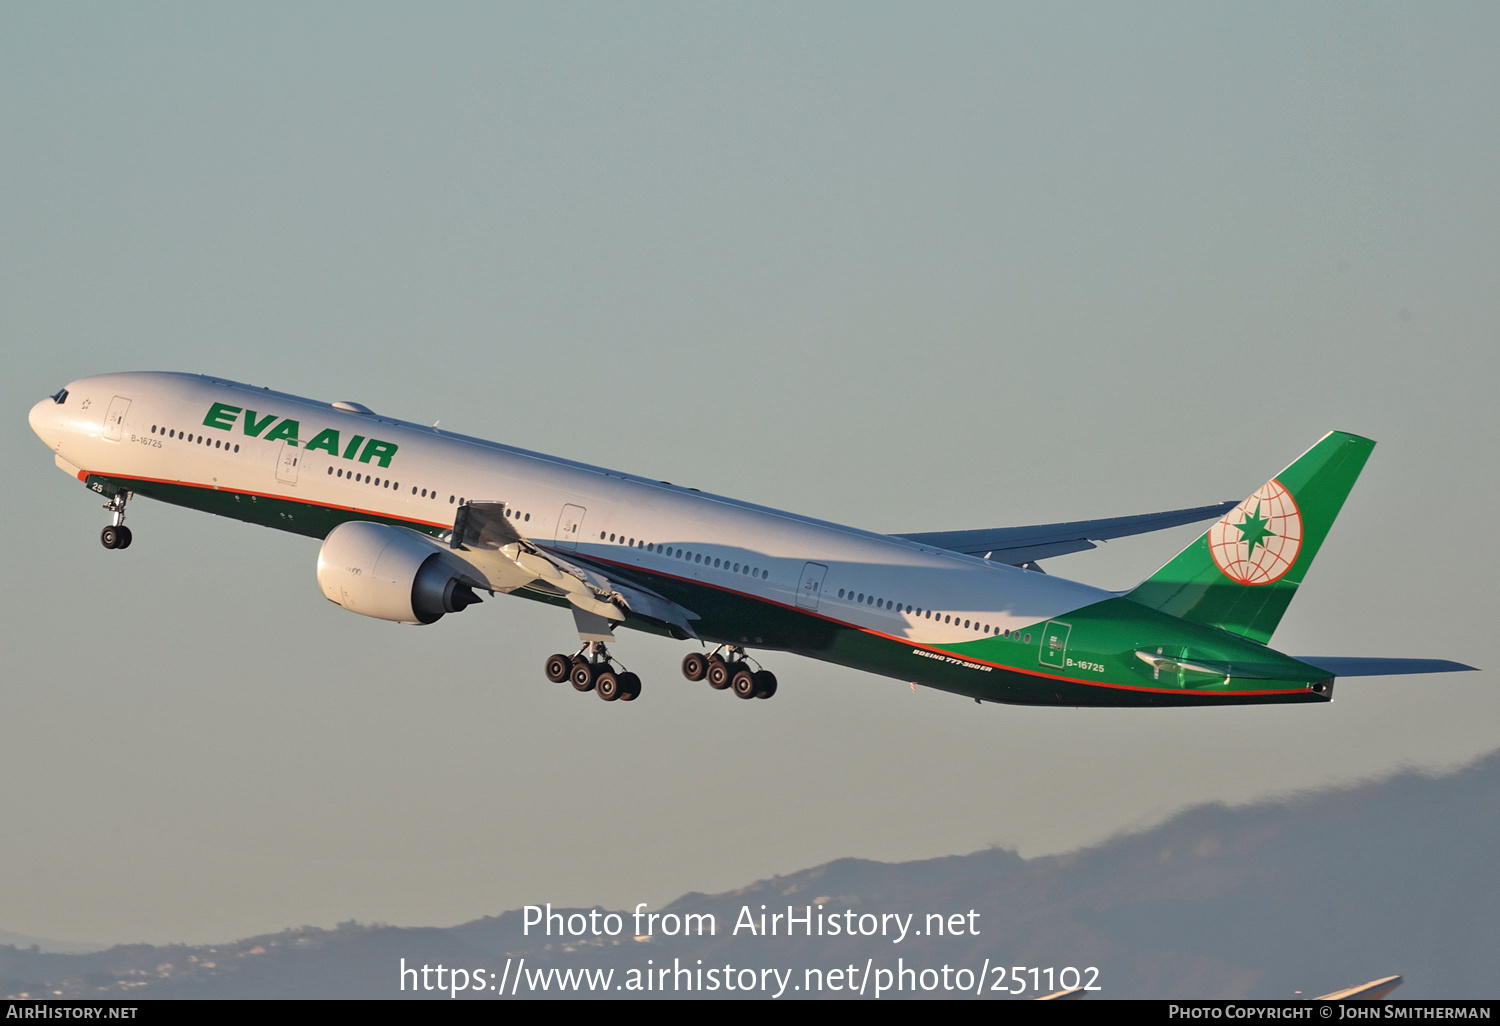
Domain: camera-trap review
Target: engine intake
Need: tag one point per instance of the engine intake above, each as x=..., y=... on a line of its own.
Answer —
x=391, y=573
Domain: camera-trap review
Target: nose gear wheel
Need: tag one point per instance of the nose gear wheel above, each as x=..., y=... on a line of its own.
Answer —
x=116, y=535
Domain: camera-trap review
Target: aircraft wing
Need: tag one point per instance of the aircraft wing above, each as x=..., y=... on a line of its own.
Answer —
x=1018, y=545
x=1358, y=666
x=484, y=536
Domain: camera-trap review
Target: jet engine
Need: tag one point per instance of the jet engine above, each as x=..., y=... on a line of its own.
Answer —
x=392, y=573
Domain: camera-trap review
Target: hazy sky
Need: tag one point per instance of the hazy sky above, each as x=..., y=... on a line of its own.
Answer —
x=904, y=267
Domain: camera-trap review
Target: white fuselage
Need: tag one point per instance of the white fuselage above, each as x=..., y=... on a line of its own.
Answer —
x=603, y=515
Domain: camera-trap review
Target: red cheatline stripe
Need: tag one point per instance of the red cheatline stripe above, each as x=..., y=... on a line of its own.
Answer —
x=268, y=495
x=82, y=474
x=942, y=651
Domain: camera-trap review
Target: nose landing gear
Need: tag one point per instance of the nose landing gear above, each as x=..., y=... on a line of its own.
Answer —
x=592, y=668
x=116, y=535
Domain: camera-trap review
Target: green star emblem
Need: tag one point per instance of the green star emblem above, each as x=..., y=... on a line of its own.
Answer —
x=1254, y=531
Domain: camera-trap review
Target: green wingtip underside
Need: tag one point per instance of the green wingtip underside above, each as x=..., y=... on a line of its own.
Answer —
x=1241, y=574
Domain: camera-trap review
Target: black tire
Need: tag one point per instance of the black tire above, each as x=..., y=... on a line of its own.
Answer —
x=559, y=668
x=719, y=674
x=743, y=684
x=110, y=537
x=582, y=676
x=607, y=686
x=125, y=538
x=765, y=684
x=630, y=687
x=694, y=666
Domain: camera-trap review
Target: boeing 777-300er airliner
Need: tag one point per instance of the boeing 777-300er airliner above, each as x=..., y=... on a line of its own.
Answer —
x=416, y=522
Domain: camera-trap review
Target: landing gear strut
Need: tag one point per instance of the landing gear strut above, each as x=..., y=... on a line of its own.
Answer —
x=592, y=668
x=116, y=535
x=728, y=667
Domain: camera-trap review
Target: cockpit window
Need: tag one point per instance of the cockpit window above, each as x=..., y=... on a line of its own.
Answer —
x=61, y=397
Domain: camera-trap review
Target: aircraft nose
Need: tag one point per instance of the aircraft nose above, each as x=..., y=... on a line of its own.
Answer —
x=43, y=419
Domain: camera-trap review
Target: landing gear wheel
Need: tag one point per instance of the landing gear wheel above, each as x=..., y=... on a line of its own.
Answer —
x=765, y=684
x=719, y=674
x=607, y=686
x=744, y=684
x=559, y=668
x=630, y=687
x=582, y=676
x=694, y=666
x=116, y=535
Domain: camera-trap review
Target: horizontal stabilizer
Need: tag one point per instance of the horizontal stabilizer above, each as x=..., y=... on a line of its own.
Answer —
x=1017, y=545
x=1160, y=663
x=1358, y=666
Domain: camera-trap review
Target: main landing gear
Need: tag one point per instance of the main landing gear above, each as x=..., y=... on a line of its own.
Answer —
x=731, y=670
x=116, y=535
x=592, y=669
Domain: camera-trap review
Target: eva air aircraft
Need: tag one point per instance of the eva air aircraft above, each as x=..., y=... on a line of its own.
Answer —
x=416, y=523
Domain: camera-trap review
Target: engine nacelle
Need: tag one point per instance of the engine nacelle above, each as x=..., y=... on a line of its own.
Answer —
x=391, y=573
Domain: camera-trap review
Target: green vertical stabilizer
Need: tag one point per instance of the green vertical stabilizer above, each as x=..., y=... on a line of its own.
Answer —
x=1241, y=574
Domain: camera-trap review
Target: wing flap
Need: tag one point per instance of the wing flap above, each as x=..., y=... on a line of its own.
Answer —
x=487, y=538
x=652, y=606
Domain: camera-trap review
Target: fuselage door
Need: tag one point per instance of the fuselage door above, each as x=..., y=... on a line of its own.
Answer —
x=569, y=525
x=114, y=420
x=1054, y=651
x=812, y=584
x=286, y=462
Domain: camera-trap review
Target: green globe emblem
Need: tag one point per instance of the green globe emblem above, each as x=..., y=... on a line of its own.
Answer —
x=1257, y=541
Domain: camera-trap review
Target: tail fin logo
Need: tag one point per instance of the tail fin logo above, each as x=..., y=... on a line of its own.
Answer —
x=1257, y=542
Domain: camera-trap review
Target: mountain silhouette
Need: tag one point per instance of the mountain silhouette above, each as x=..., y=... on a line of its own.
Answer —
x=1309, y=893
